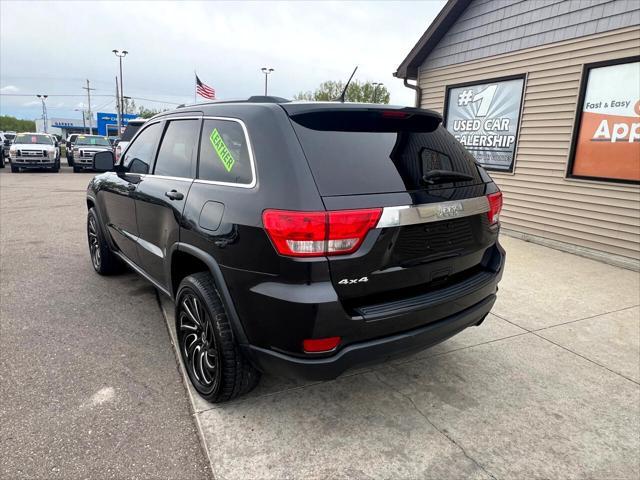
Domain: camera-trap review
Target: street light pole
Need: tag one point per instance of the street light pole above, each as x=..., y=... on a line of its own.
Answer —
x=44, y=110
x=84, y=125
x=375, y=90
x=120, y=54
x=266, y=71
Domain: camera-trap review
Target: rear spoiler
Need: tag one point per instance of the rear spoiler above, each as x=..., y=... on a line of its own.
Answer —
x=362, y=118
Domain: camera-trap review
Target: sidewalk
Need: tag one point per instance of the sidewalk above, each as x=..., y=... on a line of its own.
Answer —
x=548, y=386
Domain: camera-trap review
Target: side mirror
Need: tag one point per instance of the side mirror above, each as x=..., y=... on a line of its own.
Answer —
x=103, y=161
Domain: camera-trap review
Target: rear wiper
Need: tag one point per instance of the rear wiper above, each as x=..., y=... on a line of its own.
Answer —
x=444, y=176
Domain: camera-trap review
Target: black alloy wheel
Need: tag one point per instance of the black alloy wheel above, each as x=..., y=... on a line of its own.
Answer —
x=94, y=243
x=104, y=261
x=198, y=343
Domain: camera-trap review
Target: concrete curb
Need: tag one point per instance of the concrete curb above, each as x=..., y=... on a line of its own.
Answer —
x=185, y=381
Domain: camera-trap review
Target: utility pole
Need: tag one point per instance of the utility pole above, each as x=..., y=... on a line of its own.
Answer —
x=119, y=109
x=88, y=89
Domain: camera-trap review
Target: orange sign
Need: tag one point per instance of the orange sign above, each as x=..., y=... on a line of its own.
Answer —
x=608, y=143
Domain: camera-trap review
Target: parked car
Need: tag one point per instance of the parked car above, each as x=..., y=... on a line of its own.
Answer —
x=71, y=139
x=84, y=148
x=6, y=138
x=300, y=239
x=33, y=151
x=56, y=143
x=131, y=129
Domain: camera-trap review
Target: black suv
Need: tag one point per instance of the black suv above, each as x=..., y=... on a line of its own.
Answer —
x=300, y=239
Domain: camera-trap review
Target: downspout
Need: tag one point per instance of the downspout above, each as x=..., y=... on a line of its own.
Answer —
x=416, y=88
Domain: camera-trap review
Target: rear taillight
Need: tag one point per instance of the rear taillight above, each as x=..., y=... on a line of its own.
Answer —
x=495, y=206
x=315, y=234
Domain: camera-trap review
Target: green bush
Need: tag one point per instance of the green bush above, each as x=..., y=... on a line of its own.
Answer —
x=8, y=123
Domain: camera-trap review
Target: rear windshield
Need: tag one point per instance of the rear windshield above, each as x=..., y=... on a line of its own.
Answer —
x=361, y=162
x=130, y=131
x=10, y=136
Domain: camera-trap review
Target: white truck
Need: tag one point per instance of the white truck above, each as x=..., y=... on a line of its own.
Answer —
x=85, y=147
x=33, y=151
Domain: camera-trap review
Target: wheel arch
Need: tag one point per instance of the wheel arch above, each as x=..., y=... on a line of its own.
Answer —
x=185, y=259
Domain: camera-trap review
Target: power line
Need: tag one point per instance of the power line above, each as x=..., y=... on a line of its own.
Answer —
x=83, y=95
x=53, y=95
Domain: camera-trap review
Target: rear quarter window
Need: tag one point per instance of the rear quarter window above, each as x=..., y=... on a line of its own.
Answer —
x=225, y=154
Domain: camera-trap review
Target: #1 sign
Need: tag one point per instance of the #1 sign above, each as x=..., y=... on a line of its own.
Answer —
x=484, y=118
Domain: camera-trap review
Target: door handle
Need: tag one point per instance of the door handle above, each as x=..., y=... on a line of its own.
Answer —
x=174, y=195
x=131, y=187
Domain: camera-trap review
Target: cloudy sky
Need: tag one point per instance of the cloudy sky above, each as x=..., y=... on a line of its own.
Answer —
x=225, y=42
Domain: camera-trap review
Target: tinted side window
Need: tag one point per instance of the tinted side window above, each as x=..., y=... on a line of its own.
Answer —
x=139, y=155
x=177, y=154
x=224, y=153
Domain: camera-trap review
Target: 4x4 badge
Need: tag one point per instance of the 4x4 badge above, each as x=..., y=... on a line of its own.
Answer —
x=351, y=281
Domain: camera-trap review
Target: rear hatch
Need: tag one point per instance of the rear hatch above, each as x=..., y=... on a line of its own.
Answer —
x=438, y=234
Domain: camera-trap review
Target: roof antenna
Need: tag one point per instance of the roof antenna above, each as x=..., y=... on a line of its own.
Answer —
x=344, y=92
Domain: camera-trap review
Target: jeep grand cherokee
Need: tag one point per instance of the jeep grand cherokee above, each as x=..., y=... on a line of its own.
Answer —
x=300, y=239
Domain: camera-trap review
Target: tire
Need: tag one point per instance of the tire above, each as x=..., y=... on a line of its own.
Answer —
x=206, y=342
x=14, y=169
x=102, y=258
x=76, y=169
x=2, y=160
x=56, y=167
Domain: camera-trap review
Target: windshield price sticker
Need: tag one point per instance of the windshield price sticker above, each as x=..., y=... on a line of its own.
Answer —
x=222, y=150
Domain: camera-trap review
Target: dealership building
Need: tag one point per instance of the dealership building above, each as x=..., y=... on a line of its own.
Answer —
x=545, y=95
x=105, y=124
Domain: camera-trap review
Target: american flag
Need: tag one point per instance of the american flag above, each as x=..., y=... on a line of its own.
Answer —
x=205, y=90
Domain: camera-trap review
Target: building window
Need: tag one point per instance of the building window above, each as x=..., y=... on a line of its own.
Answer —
x=485, y=118
x=606, y=141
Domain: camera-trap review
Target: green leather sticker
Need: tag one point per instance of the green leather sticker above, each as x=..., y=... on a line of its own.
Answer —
x=221, y=149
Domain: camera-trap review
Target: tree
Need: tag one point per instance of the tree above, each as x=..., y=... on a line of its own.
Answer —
x=143, y=112
x=148, y=112
x=14, y=124
x=361, y=92
x=128, y=105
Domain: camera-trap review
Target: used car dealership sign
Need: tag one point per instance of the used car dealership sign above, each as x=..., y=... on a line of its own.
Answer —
x=484, y=118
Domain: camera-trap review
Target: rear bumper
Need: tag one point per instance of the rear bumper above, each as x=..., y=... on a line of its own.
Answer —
x=372, y=351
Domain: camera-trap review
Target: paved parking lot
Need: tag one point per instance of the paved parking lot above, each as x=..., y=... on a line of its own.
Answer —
x=548, y=386
x=89, y=386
